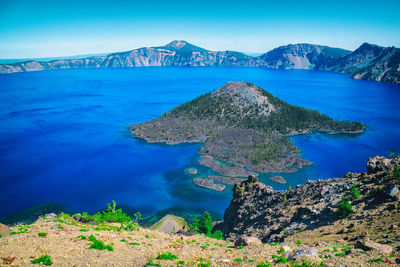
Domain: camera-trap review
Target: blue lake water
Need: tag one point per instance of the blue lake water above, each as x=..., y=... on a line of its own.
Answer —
x=64, y=136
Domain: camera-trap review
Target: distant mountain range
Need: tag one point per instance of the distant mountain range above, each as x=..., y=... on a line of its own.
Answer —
x=368, y=62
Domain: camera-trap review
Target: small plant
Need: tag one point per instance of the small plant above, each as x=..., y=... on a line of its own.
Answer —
x=45, y=260
x=180, y=262
x=238, y=260
x=376, y=260
x=393, y=154
x=280, y=259
x=281, y=251
x=264, y=264
x=42, y=234
x=151, y=263
x=134, y=243
x=167, y=256
x=354, y=192
x=206, y=224
x=396, y=174
x=83, y=230
x=82, y=237
x=341, y=254
x=218, y=235
x=98, y=244
x=1, y=235
x=284, y=198
x=345, y=208
x=298, y=242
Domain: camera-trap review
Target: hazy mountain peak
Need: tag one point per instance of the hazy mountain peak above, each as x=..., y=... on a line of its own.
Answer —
x=177, y=44
x=182, y=46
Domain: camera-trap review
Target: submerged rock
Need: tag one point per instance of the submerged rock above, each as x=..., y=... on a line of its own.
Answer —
x=277, y=179
x=192, y=171
x=208, y=183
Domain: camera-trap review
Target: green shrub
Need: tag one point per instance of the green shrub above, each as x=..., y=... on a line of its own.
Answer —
x=345, y=208
x=167, y=256
x=396, y=174
x=354, y=192
x=206, y=224
x=238, y=260
x=151, y=263
x=42, y=234
x=281, y=251
x=376, y=260
x=279, y=259
x=195, y=226
x=98, y=244
x=217, y=235
x=45, y=260
x=264, y=264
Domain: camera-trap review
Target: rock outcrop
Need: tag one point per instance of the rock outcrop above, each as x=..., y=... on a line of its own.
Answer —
x=258, y=210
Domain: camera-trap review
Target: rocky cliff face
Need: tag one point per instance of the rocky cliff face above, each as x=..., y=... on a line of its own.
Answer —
x=301, y=56
x=258, y=210
x=176, y=53
x=369, y=62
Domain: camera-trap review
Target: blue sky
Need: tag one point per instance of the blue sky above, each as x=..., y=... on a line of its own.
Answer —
x=46, y=28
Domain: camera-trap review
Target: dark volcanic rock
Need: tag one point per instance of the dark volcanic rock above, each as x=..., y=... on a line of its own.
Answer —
x=379, y=163
x=225, y=180
x=258, y=210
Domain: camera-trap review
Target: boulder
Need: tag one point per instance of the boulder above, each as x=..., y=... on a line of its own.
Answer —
x=394, y=192
x=247, y=240
x=49, y=216
x=4, y=230
x=368, y=245
x=378, y=164
x=301, y=253
x=252, y=179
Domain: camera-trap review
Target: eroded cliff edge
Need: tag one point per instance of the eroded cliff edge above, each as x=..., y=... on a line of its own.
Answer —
x=272, y=216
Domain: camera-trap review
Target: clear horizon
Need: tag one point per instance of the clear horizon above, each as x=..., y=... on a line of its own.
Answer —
x=68, y=28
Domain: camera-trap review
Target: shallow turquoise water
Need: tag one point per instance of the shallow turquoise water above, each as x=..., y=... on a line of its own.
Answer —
x=64, y=137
